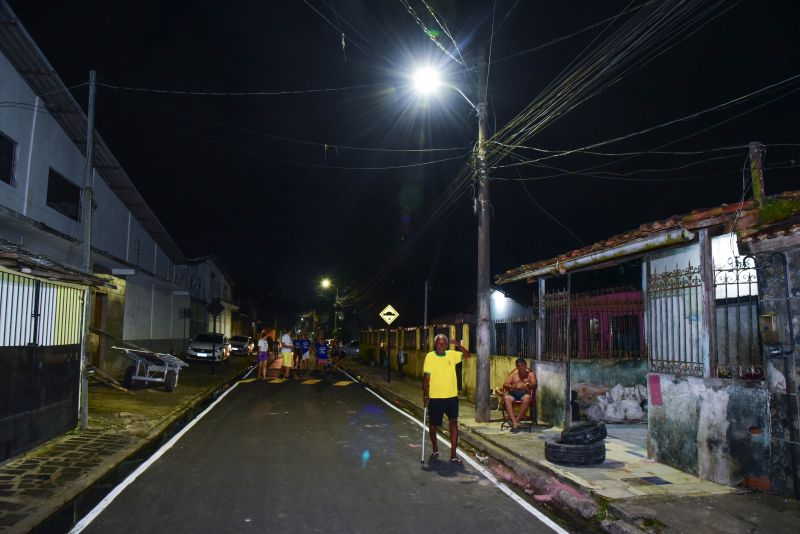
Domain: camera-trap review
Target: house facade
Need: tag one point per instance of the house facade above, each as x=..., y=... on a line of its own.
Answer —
x=141, y=284
x=710, y=327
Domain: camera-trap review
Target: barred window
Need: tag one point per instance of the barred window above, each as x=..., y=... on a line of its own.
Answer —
x=63, y=196
x=7, y=151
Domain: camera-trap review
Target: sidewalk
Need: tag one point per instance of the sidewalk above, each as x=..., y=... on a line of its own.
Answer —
x=627, y=493
x=36, y=485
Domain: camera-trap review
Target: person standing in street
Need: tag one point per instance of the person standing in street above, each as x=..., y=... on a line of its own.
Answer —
x=440, y=391
x=305, y=354
x=287, y=353
x=321, y=351
x=263, y=356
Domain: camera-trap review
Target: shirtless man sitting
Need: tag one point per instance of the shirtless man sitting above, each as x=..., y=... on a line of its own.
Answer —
x=519, y=386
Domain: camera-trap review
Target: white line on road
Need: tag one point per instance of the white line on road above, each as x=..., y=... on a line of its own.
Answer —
x=102, y=505
x=481, y=469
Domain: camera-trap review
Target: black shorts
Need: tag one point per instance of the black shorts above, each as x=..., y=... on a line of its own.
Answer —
x=437, y=408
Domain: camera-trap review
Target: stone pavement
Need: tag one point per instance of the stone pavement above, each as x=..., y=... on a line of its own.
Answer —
x=37, y=484
x=627, y=493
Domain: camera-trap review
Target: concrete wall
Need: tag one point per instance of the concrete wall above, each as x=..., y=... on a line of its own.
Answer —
x=714, y=428
x=16, y=124
x=152, y=317
x=502, y=307
x=781, y=373
x=110, y=221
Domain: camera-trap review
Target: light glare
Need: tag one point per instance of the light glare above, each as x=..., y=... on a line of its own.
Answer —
x=426, y=80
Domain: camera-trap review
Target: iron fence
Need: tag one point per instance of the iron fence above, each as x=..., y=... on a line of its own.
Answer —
x=736, y=298
x=601, y=326
x=673, y=321
x=515, y=337
x=556, y=327
x=35, y=312
x=409, y=341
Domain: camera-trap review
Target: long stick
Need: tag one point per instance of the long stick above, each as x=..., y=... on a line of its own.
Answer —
x=424, y=416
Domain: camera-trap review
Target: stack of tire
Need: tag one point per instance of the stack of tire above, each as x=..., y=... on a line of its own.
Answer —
x=581, y=444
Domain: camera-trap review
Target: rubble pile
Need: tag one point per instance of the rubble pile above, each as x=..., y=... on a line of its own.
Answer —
x=620, y=405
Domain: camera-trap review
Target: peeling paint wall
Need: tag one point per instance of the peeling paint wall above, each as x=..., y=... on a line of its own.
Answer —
x=714, y=428
x=550, y=395
x=781, y=372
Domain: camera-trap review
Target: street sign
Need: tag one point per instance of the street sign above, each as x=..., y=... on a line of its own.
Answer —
x=389, y=314
x=215, y=307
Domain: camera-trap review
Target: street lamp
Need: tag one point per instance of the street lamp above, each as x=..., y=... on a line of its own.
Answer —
x=326, y=284
x=426, y=80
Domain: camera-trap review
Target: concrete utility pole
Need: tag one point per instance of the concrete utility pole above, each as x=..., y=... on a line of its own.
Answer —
x=482, y=367
x=88, y=180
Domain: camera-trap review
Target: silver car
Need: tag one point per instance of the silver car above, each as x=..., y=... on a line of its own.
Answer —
x=350, y=349
x=242, y=345
x=202, y=345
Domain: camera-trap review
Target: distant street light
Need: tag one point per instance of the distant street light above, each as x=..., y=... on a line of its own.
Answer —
x=326, y=284
x=426, y=80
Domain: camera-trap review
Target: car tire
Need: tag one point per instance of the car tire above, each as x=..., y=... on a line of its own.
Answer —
x=584, y=433
x=575, y=455
x=170, y=381
x=129, y=381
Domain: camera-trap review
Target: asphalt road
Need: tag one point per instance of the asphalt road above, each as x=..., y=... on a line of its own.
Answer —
x=302, y=457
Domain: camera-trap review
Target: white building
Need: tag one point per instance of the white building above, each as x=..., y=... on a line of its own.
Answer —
x=42, y=162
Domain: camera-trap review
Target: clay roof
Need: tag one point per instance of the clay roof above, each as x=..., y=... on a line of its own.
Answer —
x=745, y=219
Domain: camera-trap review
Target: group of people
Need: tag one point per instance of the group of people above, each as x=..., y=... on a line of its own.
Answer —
x=295, y=355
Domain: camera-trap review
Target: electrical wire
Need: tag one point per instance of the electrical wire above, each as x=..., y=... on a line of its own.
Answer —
x=646, y=35
x=239, y=93
x=318, y=165
x=337, y=28
x=685, y=118
x=570, y=36
x=429, y=33
x=324, y=146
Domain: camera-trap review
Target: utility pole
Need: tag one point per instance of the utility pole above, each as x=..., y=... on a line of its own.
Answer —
x=757, y=173
x=425, y=309
x=482, y=368
x=335, y=313
x=88, y=180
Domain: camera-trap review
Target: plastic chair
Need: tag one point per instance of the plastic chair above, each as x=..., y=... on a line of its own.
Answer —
x=528, y=418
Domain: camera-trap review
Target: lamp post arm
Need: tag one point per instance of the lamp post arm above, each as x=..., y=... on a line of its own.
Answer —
x=465, y=96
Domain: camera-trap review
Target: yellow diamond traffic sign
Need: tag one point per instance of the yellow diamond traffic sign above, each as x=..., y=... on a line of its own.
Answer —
x=389, y=314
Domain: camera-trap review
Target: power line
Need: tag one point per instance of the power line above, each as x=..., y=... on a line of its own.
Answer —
x=239, y=93
x=430, y=34
x=321, y=166
x=324, y=146
x=571, y=35
x=685, y=118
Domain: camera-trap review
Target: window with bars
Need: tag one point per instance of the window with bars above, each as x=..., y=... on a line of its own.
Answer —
x=7, y=151
x=63, y=196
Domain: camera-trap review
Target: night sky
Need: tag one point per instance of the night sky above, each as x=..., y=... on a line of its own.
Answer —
x=282, y=189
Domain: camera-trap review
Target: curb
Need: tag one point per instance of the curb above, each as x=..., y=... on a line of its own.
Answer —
x=72, y=491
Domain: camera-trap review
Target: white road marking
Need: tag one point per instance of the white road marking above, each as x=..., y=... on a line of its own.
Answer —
x=108, y=499
x=482, y=470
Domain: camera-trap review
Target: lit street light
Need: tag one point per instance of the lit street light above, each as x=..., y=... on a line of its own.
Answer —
x=326, y=284
x=426, y=80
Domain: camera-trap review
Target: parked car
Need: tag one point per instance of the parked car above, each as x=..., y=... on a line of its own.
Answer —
x=242, y=345
x=201, y=346
x=350, y=349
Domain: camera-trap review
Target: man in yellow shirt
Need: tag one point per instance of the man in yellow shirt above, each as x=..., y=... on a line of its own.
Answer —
x=440, y=391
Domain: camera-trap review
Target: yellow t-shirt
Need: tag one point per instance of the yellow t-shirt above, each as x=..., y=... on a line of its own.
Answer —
x=443, y=383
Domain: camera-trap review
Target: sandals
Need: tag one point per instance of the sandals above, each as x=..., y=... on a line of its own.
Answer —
x=456, y=461
x=434, y=456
